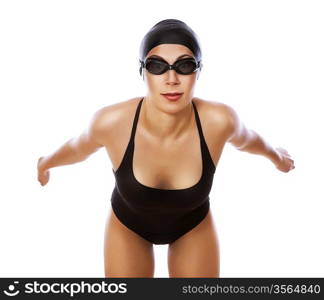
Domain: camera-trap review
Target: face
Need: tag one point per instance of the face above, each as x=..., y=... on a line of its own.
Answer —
x=170, y=81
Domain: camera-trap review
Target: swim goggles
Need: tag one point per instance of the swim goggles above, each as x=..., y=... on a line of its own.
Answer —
x=156, y=66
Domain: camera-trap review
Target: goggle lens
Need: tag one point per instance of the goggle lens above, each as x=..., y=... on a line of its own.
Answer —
x=155, y=66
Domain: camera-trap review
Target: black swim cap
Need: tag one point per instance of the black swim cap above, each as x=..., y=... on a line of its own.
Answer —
x=170, y=31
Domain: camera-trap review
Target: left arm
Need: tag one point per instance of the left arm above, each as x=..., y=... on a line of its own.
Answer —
x=256, y=144
x=248, y=140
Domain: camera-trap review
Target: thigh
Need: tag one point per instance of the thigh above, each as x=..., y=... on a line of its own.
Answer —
x=126, y=254
x=196, y=253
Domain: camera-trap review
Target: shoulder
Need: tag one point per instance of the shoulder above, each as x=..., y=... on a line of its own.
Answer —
x=106, y=120
x=218, y=116
x=110, y=114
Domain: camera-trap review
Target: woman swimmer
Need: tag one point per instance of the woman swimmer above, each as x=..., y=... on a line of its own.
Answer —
x=169, y=144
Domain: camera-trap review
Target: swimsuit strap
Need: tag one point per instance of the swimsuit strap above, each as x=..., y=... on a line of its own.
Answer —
x=198, y=122
x=207, y=159
x=135, y=121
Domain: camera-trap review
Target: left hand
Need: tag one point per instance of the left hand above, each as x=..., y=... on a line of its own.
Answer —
x=285, y=163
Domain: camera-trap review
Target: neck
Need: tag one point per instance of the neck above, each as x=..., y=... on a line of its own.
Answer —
x=165, y=125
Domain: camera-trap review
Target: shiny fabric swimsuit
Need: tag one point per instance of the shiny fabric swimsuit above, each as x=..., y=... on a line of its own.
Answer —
x=161, y=216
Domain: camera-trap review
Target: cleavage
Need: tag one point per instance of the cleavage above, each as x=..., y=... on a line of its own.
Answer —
x=177, y=165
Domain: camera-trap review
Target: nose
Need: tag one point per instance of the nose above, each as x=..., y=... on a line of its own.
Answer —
x=172, y=77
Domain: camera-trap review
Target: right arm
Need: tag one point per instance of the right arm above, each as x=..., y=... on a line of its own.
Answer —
x=76, y=149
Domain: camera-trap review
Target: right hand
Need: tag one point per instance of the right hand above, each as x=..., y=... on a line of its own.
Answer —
x=43, y=173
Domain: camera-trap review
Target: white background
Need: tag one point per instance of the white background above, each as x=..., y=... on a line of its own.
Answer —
x=60, y=61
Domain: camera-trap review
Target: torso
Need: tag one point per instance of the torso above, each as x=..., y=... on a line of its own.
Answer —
x=159, y=164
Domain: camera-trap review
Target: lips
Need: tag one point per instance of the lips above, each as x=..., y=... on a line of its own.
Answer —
x=173, y=96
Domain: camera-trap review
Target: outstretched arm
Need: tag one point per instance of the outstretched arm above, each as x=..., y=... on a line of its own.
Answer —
x=74, y=150
x=248, y=140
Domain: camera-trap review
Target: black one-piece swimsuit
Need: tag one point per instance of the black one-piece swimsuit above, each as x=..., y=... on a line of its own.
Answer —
x=161, y=216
